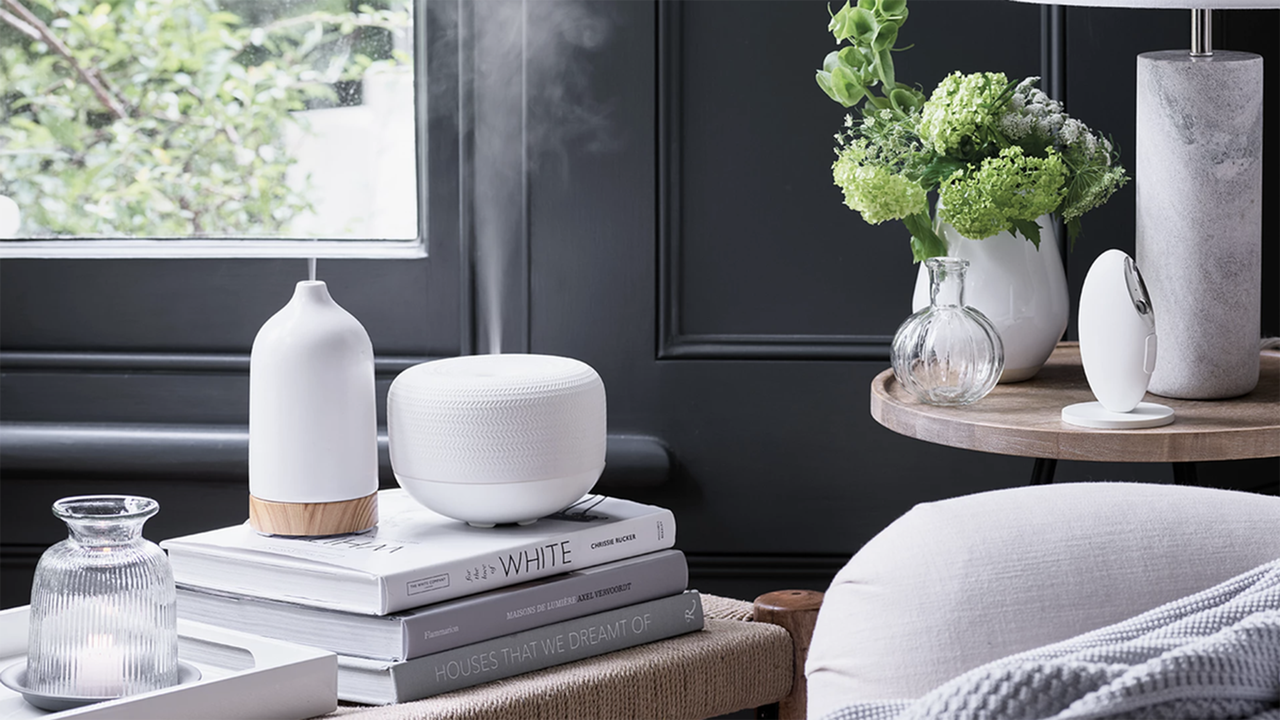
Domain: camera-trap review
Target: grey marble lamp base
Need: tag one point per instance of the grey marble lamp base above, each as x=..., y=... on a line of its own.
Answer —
x=1198, y=177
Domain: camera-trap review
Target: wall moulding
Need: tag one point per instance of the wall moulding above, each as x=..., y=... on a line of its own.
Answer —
x=673, y=341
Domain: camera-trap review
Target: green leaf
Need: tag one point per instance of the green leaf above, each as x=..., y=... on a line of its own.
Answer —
x=63, y=130
x=878, y=102
x=1029, y=229
x=831, y=61
x=1073, y=231
x=941, y=168
x=904, y=100
x=884, y=68
x=925, y=243
x=840, y=24
x=893, y=8
x=848, y=91
x=824, y=82
x=885, y=37
x=863, y=25
x=851, y=58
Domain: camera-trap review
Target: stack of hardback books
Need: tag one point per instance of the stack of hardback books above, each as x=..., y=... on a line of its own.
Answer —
x=423, y=604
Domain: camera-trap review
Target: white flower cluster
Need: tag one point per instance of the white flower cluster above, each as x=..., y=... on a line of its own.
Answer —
x=1033, y=113
x=840, y=136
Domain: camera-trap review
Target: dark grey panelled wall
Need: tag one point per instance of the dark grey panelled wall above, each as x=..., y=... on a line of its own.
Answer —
x=676, y=227
x=774, y=303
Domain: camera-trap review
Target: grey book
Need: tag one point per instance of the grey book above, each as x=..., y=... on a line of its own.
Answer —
x=449, y=624
x=382, y=683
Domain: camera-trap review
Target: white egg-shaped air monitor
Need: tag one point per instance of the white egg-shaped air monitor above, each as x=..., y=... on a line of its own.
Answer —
x=1117, y=330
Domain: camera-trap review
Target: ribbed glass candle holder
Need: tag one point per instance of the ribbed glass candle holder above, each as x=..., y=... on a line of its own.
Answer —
x=103, y=620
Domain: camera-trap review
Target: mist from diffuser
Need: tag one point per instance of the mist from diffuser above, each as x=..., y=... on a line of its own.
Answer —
x=494, y=439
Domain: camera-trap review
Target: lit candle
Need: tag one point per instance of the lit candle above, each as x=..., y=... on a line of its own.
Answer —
x=99, y=668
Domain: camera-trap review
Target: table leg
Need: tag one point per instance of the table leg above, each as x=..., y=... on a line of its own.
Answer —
x=1042, y=472
x=1184, y=473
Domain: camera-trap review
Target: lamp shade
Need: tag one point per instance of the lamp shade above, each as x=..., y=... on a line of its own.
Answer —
x=1167, y=4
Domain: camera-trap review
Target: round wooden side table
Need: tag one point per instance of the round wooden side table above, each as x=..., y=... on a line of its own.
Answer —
x=1025, y=419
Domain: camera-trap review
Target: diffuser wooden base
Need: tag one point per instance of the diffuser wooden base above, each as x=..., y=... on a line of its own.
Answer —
x=312, y=519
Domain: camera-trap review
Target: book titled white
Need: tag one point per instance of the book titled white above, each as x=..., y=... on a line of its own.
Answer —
x=381, y=683
x=452, y=623
x=416, y=557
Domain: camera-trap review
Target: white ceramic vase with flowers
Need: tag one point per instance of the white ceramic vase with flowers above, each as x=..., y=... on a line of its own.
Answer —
x=978, y=169
x=1021, y=289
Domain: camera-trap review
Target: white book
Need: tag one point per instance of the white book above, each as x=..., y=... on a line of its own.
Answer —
x=416, y=557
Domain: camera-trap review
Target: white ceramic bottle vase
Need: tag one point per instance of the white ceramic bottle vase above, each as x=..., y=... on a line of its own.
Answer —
x=313, y=435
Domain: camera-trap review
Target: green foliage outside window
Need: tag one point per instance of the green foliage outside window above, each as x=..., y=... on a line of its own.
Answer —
x=167, y=118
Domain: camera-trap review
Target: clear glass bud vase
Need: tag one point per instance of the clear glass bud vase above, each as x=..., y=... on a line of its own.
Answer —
x=947, y=353
x=103, y=620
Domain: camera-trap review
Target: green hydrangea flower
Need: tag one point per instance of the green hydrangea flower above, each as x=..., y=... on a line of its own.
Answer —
x=959, y=116
x=999, y=154
x=1011, y=187
x=873, y=189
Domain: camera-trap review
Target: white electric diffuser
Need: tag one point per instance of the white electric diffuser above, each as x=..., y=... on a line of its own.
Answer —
x=1117, y=330
x=313, y=425
x=490, y=439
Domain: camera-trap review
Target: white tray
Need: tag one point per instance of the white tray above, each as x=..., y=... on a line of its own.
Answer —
x=242, y=676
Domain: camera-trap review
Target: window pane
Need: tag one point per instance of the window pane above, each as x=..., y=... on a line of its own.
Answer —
x=181, y=119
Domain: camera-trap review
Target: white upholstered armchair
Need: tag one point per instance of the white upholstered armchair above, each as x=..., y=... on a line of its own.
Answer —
x=954, y=584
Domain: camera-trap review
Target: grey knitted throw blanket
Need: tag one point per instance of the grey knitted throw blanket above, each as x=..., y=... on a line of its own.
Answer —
x=1210, y=656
